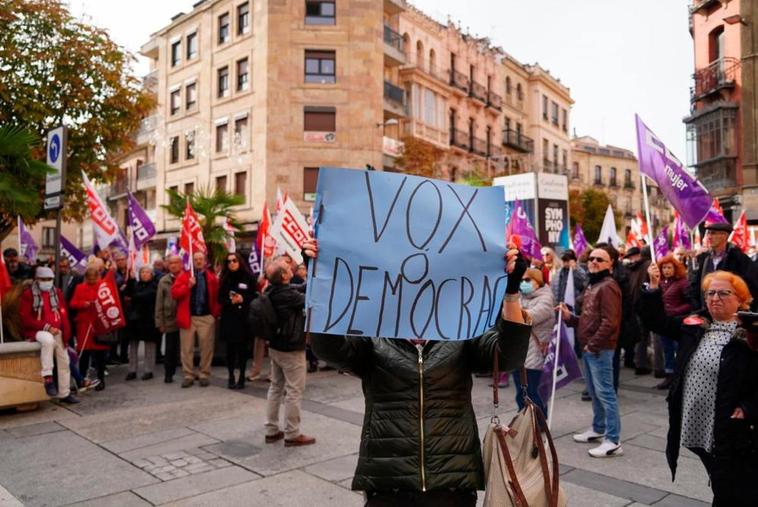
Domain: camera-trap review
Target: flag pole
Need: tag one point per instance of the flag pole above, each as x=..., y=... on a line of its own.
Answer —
x=647, y=217
x=555, y=365
x=2, y=328
x=192, y=262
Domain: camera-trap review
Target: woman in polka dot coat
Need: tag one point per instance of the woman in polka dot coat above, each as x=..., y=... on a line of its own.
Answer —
x=713, y=398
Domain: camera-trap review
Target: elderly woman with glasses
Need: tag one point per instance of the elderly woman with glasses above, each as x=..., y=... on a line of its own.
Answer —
x=713, y=397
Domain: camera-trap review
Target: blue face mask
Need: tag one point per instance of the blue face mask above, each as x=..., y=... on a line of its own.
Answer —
x=526, y=287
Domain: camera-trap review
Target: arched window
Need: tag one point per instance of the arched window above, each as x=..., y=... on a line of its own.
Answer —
x=420, y=54
x=598, y=175
x=519, y=92
x=508, y=86
x=613, y=176
x=407, y=46
x=575, y=171
x=432, y=61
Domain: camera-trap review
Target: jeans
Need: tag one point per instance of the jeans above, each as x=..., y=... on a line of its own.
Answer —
x=605, y=409
x=532, y=389
x=669, y=353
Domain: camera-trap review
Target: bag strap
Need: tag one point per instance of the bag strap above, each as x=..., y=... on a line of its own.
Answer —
x=549, y=490
x=495, y=380
x=520, y=498
x=551, y=487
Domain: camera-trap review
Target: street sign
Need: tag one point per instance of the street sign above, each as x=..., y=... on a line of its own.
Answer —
x=56, y=154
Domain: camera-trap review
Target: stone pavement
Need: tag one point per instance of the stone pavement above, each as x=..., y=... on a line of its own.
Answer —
x=150, y=443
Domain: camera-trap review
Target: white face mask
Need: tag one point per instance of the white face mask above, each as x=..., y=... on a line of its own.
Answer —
x=45, y=286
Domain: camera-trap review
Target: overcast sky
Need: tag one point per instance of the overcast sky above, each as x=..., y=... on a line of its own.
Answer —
x=618, y=57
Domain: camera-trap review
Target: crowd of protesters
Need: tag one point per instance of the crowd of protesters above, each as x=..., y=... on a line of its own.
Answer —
x=674, y=318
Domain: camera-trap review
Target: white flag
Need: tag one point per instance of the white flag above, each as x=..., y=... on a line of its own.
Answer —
x=290, y=230
x=569, y=297
x=608, y=233
x=106, y=228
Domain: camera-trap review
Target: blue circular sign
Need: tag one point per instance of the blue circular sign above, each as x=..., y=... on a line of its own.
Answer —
x=54, y=150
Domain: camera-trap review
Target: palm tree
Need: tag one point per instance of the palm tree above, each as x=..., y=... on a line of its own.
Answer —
x=21, y=177
x=213, y=209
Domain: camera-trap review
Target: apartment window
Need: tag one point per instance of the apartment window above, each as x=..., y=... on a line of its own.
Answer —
x=554, y=113
x=318, y=119
x=598, y=175
x=189, y=145
x=240, y=133
x=628, y=177
x=310, y=181
x=544, y=107
x=519, y=92
x=613, y=176
x=173, y=188
x=222, y=137
x=555, y=158
x=48, y=237
x=175, y=101
x=507, y=123
x=176, y=53
x=242, y=75
x=575, y=171
x=564, y=158
x=189, y=188
x=191, y=45
x=519, y=128
x=565, y=123
x=240, y=183
x=190, y=96
x=243, y=18
x=220, y=183
x=223, y=81
x=508, y=86
x=223, y=28
x=319, y=12
x=174, y=150
x=545, y=150
x=320, y=67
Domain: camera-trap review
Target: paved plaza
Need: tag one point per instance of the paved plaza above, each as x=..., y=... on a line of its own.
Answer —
x=150, y=443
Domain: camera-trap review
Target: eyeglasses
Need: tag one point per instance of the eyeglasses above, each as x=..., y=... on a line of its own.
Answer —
x=599, y=260
x=232, y=261
x=719, y=294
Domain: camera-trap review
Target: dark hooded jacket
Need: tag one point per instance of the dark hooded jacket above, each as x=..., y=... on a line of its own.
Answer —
x=419, y=428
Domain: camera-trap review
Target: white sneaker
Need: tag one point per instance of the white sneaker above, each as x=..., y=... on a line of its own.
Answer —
x=607, y=449
x=588, y=436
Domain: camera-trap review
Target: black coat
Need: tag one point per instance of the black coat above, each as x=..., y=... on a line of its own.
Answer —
x=737, y=385
x=140, y=313
x=233, y=325
x=735, y=262
x=419, y=426
x=288, y=302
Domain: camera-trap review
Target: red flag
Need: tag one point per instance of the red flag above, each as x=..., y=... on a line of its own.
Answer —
x=109, y=315
x=5, y=278
x=266, y=244
x=740, y=235
x=192, y=231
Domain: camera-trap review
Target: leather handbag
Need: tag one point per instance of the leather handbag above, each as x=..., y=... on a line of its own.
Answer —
x=520, y=461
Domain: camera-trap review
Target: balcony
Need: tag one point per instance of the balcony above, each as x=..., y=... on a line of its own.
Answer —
x=515, y=102
x=459, y=81
x=146, y=176
x=719, y=176
x=460, y=139
x=628, y=185
x=394, y=100
x=150, y=81
x=394, y=49
x=494, y=101
x=479, y=147
x=613, y=183
x=478, y=92
x=719, y=75
x=147, y=130
x=597, y=182
x=518, y=141
x=118, y=189
x=420, y=130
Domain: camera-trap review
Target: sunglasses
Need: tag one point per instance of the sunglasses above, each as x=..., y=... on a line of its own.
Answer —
x=232, y=261
x=599, y=260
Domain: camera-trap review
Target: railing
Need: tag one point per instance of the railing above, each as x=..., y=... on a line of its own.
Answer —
x=628, y=185
x=118, y=188
x=494, y=101
x=719, y=74
x=459, y=80
x=394, y=93
x=479, y=147
x=518, y=141
x=478, y=91
x=549, y=166
x=597, y=182
x=146, y=172
x=417, y=128
x=613, y=183
x=460, y=139
x=394, y=39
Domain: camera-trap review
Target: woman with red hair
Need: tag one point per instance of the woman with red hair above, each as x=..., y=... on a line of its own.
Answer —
x=713, y=398
x=675, y=286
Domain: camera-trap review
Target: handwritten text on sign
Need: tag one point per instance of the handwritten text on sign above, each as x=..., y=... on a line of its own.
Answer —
x=406, y=257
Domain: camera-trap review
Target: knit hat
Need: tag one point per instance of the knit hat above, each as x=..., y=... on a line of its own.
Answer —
x=44, y=272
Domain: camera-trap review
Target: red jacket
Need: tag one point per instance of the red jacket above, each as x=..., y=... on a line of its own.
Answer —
x=181, y=292
x=32, y=321
x=84, y=295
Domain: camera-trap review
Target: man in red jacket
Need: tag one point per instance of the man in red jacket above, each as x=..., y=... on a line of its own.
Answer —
x=44, y=319
x=196, y=295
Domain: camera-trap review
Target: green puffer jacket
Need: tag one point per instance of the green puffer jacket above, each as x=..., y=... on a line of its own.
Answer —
x=419, y=428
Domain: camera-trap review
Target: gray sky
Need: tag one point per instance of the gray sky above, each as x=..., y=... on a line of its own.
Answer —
x=618, y=57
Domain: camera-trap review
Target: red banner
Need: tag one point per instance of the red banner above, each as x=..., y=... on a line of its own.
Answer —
x=109, y=315
x=192, y=231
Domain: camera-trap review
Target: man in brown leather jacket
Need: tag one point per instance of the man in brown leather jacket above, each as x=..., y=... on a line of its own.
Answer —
x=598, y=330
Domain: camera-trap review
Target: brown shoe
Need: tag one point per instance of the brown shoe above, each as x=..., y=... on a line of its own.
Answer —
x=270, y=439
x=205, y=382
x=299, y=440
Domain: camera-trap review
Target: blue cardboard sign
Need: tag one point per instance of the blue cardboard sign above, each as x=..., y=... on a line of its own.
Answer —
x=402, y=256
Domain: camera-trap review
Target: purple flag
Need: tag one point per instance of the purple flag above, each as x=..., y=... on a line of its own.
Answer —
x=76, y=258
x=681, y=234
x=714, y=216
x=688, y=196
x=27, y=246
x=521, y=231
x=580, y=242
x=661, y=243
x=566, y=364
x=142, y=227
x=254, y=260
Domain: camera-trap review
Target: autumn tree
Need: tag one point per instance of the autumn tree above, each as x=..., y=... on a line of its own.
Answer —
x=419, y=157
x=57, y=69
x=588, y=208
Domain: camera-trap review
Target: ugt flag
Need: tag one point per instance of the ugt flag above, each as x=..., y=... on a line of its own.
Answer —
x=26, y=243
x=191, y=239
x=564, y=362
x=142, y=227
x=76, y=258
x=522, y=233
x=106, y=229
x=688, y=196
x=109, y=315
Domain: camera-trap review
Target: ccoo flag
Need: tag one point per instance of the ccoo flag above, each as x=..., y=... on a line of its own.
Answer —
x=685, y=193
x=106, y=229
x=191, y=239
x=142, y=227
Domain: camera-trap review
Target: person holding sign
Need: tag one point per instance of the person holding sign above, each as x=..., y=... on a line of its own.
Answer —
x=419, y=443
